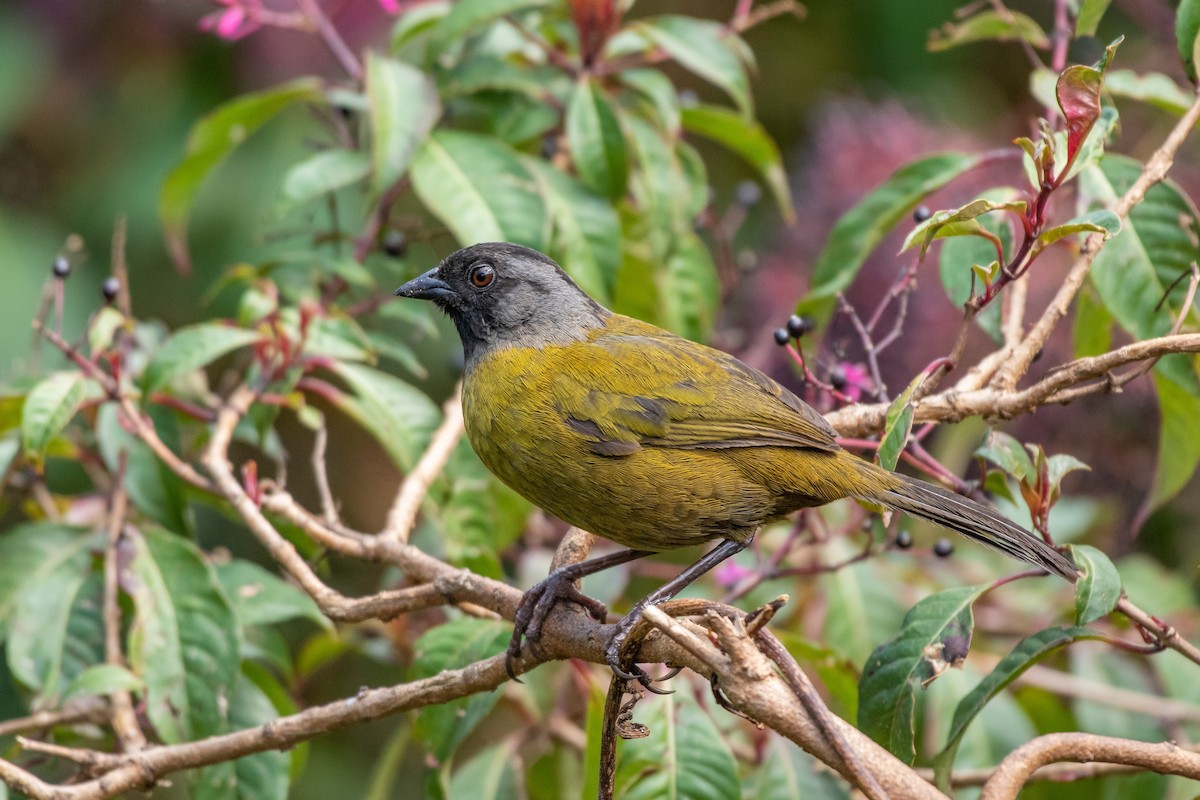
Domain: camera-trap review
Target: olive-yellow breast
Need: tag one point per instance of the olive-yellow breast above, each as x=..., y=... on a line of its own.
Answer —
x=643, y=437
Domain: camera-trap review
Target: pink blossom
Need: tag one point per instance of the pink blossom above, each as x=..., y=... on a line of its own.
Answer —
x=730, y=573
x=857, y=380
x=239, y=18
x=390, y=6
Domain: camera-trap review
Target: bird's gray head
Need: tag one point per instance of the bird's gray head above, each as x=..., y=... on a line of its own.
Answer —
x=505, y=295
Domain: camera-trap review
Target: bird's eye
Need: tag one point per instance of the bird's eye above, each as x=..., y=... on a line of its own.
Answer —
x=482, y=276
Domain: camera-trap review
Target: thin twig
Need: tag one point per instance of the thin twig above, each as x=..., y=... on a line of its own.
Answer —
x=124, y=720
x=403, y=514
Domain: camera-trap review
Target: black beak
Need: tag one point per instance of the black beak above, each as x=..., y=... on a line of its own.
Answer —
x=428, y=287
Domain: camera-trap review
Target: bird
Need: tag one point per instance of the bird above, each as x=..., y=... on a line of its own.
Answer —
x=648, y=439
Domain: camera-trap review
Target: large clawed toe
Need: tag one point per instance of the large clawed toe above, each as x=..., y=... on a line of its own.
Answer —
x=536, y=605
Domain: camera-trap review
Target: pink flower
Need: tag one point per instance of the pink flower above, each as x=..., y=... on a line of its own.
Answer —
x=855, y=379
x=239, y=18
x=729, y=573
x=390, y=6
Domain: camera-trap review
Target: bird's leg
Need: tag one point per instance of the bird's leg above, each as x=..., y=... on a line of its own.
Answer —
x=536, y=603
x=622, y=663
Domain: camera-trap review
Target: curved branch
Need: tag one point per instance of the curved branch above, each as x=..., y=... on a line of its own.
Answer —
x=1012, y=773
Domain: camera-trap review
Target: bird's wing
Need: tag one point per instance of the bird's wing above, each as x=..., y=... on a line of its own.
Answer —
x=635, y=386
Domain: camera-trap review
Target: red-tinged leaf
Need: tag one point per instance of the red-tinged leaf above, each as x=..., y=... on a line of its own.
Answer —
x=1078, y=93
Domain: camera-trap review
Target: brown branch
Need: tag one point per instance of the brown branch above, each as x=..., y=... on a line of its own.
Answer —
x=408, y=501
x=1163, y=757
x=753, y=687
x=1166, y=634
x=1058, y=773
x=952, y=405
x=333, y=604
x=1155, y=170
x=124, y=720
x=90, y=710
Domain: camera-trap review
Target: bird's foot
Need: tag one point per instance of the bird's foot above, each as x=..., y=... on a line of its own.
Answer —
x=536, y=605
x=621, y=654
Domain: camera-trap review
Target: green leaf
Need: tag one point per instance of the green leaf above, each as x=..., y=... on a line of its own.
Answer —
x=656, y=88
x=1008, y=454
x=936, y=636
x=48, y=408
x=862, y=228
x=1092, y=331
x=403, y=107
x=1097, y=592
x=452, y=645
x=1152, y=88
x=789, y=773
x=960, y=254
x=1028, y=652
x=685, y=756
x=401, y=418
x=260, y=597
x=467, y=16
x=103, y=327
x=413, y=25
x=702, y=47
x=261, y=776
x=31, y=551
x=595, y=140
x=39, y=635
x=192, y=348
x=1088, y=19
x=660, y=191
x=898, y=425
x=99, y=680
x=1102, y=221
x=748, y=139
x=215, y=136
x=479, y=189
x=960, y=222
x=1157, y=243
x=1006, y=26
x=586, y=238
x=1178, y=441
x=1187, y=30
x=323, y=173
x=690, y=289
x=494, y=774
x=863, y=608
x=184, y=641
x=153, y=487
x=479, y=516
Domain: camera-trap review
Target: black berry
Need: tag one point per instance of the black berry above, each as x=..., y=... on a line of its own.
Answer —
x=62, y=267
x=837, y=378
x=943, y=548
x=395, y=243
x=747, y=193
x=798, y=326
x=904, y=540
x=921, y=213
x=109, y=288
x=782, y=337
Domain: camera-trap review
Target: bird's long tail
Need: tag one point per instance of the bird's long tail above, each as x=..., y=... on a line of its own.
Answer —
x=975, y=521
